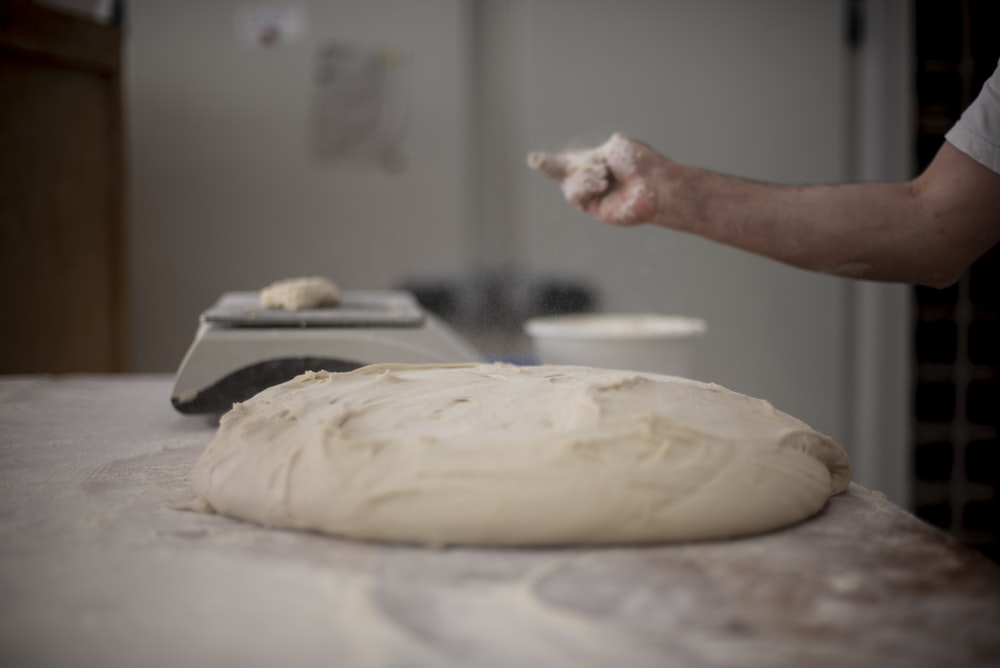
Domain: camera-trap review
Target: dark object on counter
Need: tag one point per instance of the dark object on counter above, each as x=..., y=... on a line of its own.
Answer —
x=244, y=383
x=502, y=300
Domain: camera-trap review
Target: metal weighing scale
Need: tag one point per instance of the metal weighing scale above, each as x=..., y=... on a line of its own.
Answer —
x=242, y=348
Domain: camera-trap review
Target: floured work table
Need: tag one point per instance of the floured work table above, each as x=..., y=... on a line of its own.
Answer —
x=99, y=568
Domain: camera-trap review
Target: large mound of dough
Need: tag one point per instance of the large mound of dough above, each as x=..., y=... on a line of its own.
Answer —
x=492, y=454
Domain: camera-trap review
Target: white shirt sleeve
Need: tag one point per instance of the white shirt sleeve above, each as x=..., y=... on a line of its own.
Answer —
x=977, y=132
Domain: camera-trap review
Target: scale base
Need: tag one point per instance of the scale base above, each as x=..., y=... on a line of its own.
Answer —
x=228, y=363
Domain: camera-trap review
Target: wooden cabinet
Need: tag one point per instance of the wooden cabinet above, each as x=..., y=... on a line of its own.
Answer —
x=62, y=233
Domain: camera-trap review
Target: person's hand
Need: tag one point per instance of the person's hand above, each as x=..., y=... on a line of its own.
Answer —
x=617, y=182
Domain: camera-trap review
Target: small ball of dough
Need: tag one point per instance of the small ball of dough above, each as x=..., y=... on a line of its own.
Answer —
x=297, y=294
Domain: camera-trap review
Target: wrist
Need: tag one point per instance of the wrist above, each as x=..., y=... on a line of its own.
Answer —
x=679, y=193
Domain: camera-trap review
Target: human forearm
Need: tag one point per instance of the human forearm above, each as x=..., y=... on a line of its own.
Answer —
x=924, y=231
x=857, y=230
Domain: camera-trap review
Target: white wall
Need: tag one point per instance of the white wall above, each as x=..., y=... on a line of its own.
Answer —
x=226, y=193
x=880, y=438
x=226, y=196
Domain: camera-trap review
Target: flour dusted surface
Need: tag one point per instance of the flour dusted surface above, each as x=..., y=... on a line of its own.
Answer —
x=492, y=454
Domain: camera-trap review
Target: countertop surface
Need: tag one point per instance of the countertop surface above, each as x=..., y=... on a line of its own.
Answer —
x=99, y=567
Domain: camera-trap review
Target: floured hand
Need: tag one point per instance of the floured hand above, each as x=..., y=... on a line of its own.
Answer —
x=615, y=182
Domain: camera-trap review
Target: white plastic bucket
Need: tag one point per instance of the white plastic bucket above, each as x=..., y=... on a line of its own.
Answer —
x=634, y=341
